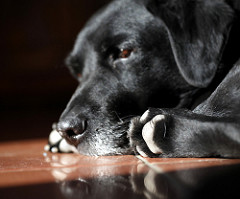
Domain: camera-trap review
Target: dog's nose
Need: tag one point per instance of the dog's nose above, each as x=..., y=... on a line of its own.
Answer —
x=72, y=130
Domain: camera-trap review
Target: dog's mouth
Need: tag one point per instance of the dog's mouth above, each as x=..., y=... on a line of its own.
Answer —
x=102, y=139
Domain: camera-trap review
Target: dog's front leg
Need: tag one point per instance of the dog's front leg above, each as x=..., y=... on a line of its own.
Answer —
x=211, y=130
x=179, y=133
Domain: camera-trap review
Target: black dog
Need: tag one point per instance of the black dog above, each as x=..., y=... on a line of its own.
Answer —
x=177, y=55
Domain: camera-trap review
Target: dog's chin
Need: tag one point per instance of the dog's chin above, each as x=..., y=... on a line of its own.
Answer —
x=106, y=141
x=95, y=150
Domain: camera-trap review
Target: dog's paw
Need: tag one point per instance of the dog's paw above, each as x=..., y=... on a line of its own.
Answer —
x=57, y=144
x=147, y=133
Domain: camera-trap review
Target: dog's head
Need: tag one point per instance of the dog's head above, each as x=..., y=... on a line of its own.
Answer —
x=136, y=54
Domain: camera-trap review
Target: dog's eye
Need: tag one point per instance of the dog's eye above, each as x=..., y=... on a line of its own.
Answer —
x=125, y=53
x=79, y=75
x=117, y=53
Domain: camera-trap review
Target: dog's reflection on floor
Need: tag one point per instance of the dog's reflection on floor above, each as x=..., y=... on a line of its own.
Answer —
x=100, y=182
x=213, y=182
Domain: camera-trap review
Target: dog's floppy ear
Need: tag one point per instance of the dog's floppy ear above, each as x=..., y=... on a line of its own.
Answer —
x=197, y=31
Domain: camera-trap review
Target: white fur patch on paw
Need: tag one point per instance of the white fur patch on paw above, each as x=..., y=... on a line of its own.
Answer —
x=54, y=137
x=144, y=117
x=58, y=144
x=148, y=133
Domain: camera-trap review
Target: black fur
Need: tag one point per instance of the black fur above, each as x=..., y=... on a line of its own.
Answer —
x=178, y=53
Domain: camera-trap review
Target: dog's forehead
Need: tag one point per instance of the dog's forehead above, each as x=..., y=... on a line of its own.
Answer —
x=120, y=14
x=121, y=17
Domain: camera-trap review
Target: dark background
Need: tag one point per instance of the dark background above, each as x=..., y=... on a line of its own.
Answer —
x=35, y=86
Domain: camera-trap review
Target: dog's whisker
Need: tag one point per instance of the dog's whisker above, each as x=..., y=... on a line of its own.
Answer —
x=129, y=117
x=117, y=116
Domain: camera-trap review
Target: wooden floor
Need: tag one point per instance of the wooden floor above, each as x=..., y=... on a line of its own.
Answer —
x=27, y=171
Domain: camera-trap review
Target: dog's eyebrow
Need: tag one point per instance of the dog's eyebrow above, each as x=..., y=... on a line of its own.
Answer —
x=113, y=40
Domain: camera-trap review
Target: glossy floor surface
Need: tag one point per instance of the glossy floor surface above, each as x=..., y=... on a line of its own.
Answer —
x=26, y=171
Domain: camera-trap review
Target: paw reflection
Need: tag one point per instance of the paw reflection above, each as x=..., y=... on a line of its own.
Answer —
x=62, y=166
x=152, y=185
